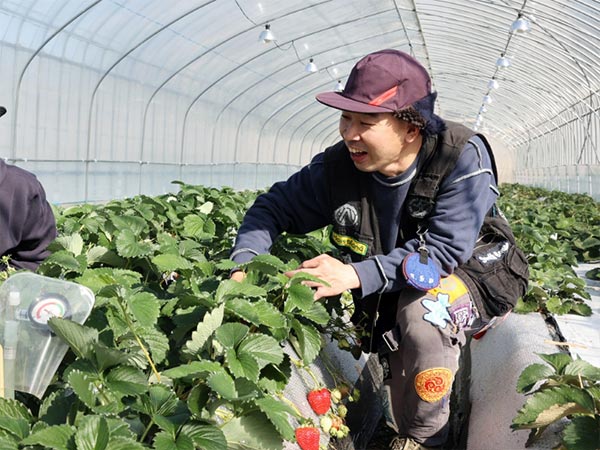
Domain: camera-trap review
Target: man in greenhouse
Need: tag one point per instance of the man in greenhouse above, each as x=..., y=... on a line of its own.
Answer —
x=403, y=229
x=27, y=223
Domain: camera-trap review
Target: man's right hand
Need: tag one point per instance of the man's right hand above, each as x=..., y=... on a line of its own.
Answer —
x=238, y=276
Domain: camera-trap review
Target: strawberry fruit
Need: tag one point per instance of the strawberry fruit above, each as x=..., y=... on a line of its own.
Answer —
x=308, y=438
x=319, y=400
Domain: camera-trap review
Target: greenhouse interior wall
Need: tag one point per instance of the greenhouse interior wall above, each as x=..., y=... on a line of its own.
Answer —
x=111, y=99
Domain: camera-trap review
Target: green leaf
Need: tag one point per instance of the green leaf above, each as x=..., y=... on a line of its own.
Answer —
x=299, y=297
x=127, y=380
x=264, y=349
x=128, y=246
x=242, y=364
x=65, y=260
x=531, y=375
x=56, y=437
x=582, y=433
x=169, y=262
x=583, y=368
x=157, y=342
x=230, y=289
x=278, y=413
x=193, y=369
x=72, y=243
x=317, y=313
x=260, y=313
x=92, y=393
x=121, y=443
x=16, y=426
x=222, y=383
x=14, y=408
x=55, y=407
x=548, y=406
x=145, y=307
x=92, y=433
x=557, y=360
x=254, y=432
x=207, y=437
x=309, y=341
x=80, y=338
x=267, y=264
x=165, y=441
x=107, y=357
x=211, y=321
x=231, y=334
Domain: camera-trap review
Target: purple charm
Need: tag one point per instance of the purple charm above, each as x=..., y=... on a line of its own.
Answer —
x=422, y=276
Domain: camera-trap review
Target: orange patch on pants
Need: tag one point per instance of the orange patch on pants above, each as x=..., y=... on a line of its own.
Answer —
x=433, y=384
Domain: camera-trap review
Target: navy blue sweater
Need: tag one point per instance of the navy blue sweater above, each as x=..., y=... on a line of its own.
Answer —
x=302, y=204
x=27, y=223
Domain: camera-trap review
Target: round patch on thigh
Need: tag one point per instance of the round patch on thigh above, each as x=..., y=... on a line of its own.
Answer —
x=433, y=384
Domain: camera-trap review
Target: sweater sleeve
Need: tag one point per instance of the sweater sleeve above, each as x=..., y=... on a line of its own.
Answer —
x=462, y=203
x=298, y=205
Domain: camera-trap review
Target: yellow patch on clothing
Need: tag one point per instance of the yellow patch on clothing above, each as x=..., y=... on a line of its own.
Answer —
x=433, y=384
x=452, y=286
x=352, y=244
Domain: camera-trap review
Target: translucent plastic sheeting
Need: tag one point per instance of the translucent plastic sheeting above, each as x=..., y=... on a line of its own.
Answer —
x=110, y=98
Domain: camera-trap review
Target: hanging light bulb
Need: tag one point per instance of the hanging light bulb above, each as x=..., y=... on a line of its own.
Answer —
x=521, y=25
x=487, y=99
x=502, y=62
x=311, y=67
x=267, y=36
x=493, y=84
x=339, y=87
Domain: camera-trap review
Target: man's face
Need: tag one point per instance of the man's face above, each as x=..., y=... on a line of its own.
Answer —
x=379, y=142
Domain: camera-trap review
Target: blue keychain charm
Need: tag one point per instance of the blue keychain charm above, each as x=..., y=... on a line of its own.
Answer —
x=419, y=269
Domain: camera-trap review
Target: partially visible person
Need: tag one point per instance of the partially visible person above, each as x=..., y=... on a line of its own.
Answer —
x=27, y=224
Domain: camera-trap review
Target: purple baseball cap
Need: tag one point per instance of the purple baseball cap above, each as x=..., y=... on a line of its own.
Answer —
x=381, y=82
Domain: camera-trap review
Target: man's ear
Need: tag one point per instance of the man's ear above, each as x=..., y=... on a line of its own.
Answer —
x=412, y=133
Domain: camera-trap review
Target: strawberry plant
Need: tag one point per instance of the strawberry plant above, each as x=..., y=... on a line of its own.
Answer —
x=561, y=388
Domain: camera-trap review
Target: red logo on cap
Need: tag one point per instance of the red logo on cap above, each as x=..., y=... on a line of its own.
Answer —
x=383, y=97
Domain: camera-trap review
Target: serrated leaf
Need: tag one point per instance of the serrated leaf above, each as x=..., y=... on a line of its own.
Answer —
x=7, y=443
x=557, y=360
x=56, y=437
x=80, y=338
x=55, y=407
x=264, y=349
x=242, y=364
x=309, y=341
x=278, y=413
x=169, y=262
x=254, y=431
x=582, y=433
x=531, y=375
x=16, y=426
x=206, y=437
x=260, y=313
x=206, y=208
x=317, y=313
x=299, y=297
x=14, y=408
x=128, y=245
x=93, y=393
x=583, y=368
x=121, y=443
x=72, y=243
x=211, y=321
x=548, y=406
x=132, y=224
x=145, y=307
x=65, y=260
x=267, y=264
x=193, y=369
x=127, y=380
x=231, y=334
x=106, y=357
x=230, y=289
x=92, y=433
x=222, y=383
x=165, y=441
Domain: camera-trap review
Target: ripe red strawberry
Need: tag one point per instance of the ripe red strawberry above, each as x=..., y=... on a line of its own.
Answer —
x=319, y=400
x=308, y=438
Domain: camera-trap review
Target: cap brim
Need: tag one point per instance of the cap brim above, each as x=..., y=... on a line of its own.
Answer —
x=2, y=111
x=338, y=101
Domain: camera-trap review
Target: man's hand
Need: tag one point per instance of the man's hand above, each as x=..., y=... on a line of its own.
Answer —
x=238, y=276
x=340, y=276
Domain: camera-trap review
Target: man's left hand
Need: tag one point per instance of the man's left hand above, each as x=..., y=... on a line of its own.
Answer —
x=340, y=276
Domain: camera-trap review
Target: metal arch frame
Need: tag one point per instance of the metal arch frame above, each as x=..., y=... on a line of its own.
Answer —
x=109, y=70
x=26, y=66
x=255, y=106
x=334, y=112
